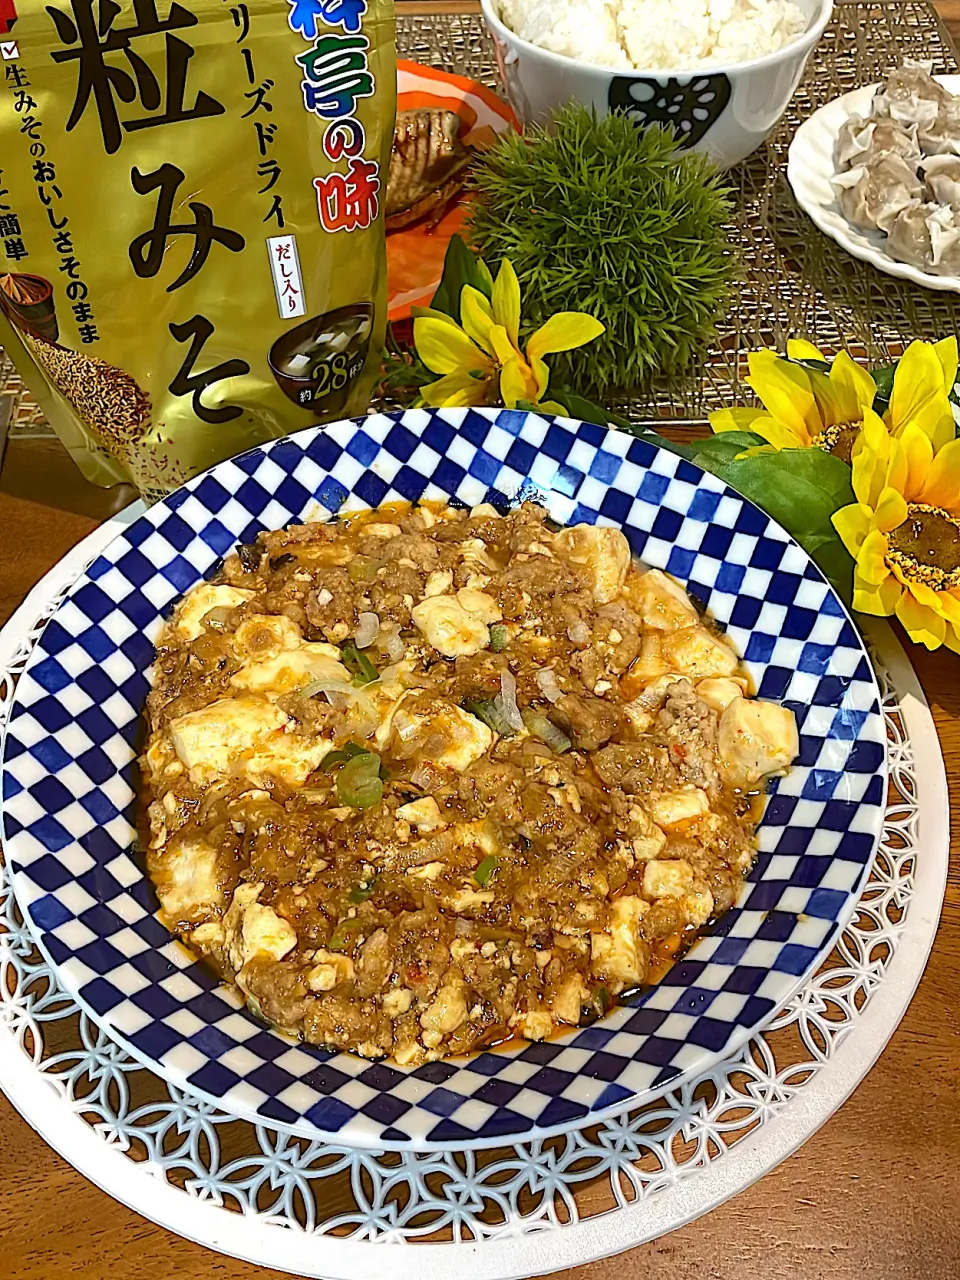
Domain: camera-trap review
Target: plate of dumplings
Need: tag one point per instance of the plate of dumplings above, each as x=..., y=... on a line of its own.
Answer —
x=878, y=170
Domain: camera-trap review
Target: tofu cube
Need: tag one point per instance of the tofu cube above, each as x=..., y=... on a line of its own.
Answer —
x=187, y=880
x=449, y=627
x=756, y=738
x=619, y=955
x=196, y=604
x=662, y=602
x=697, y=653
x=605, y=552
x=674, y=807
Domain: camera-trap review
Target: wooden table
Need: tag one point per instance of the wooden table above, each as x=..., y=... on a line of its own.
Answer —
x=860, y=1199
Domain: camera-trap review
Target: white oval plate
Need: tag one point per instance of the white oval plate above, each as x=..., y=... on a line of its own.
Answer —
x=810, y=166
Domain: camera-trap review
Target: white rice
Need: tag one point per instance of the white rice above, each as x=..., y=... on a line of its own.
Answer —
x=656, y=35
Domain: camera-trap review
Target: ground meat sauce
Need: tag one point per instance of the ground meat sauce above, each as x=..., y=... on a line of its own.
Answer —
x=424, y=780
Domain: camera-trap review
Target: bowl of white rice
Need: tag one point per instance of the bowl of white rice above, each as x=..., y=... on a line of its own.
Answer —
x=720, y=73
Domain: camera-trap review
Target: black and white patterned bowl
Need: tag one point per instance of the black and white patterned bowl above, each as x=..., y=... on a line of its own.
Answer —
x=68, y=762
x=726, y=110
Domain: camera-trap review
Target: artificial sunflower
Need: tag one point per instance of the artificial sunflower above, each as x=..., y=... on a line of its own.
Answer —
x=804, y=406
x=481, y=361
x=904, y=529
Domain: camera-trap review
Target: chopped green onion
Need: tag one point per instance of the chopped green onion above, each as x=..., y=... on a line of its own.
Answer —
x=541, y=727
x=348, y=752
x=490, y=712
x=341, y=938
x=602, y=997
x=361, y=892
x=486, y=869
x=359, y=665
x=362, y=569
x=499, y=637
x=484, y=709
x=486, y=934
x=359, y=784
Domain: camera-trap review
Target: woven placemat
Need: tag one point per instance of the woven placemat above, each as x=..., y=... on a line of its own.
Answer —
x=795, y=281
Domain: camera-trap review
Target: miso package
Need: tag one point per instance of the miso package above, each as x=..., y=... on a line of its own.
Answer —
x=191, y=228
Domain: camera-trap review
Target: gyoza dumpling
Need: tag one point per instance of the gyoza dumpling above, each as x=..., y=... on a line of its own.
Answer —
x=943, y=178
x=927, y=236
x=912, y=96
x=860, y=140
x=873, y=194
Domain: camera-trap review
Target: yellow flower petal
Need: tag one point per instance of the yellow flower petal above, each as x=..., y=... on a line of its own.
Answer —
x=941, y=486
x=800, y=349
x=896, y=477
x=890, y=511
x=872, y=566
x=455, y=391
x=786, y=394
x=516, y=383
x=541, y=374
x=844, y=393
x=476, y=316
x=734, y=419
x=857, y=388
x=445, y=348
x=918, y=452
x=919, y=396
x=879, y=601
x=922, y=624
x=503, y=348
x=506, y=301
x=947, y=353
x=919, y=375
x=853, y=524
x=776, y=433
x=950, y=605
x=952, y=638
x=927, y=596
x=485, y=275
x=419, y=313
x=563, y=332
x=871, y=455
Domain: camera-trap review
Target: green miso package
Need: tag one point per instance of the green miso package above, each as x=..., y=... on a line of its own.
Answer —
x=191, y=231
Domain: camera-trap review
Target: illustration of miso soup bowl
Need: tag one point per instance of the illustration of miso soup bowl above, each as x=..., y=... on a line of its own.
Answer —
x=316, y=362
x=29, y=303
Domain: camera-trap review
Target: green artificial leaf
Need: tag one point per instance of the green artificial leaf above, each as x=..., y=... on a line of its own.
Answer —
x=822, y=469
x=723, y=448
x=580, y=407
x=575, y=406
x=884, y=380
x=800, y=489
x=461, y=266
x=818, y=366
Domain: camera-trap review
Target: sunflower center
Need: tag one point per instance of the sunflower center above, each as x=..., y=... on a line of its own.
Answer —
x=838, y=439
x=926, y=547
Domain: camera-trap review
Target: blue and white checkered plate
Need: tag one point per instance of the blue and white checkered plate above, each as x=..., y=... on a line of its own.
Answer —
x=72, y=737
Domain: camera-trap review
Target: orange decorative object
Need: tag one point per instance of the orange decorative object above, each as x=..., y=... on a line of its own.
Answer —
x=415, y=254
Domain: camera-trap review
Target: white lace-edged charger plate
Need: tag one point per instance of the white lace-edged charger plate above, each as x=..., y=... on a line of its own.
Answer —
x=810, y=168
x=315, y=1208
